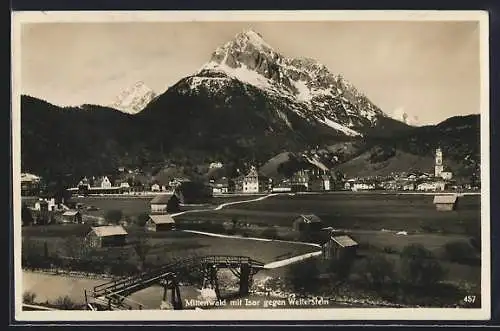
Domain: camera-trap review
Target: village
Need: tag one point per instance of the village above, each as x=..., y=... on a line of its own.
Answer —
x=106, y=216
x=129, y=182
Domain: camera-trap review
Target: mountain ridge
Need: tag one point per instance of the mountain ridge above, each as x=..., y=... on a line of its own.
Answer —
x=247, y=104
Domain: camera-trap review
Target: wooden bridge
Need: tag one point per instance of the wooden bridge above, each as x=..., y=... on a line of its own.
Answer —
x=113, y=295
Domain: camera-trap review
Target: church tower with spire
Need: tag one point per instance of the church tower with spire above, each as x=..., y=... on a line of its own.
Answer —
x=438, y=167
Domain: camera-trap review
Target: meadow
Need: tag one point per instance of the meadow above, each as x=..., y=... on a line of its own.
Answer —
x=350, y=210
x=64, y=240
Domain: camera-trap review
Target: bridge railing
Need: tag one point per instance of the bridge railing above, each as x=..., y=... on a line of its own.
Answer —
x=115, y=286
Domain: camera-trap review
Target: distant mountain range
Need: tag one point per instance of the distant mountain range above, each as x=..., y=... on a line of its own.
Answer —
x=247, y=104
x=134, y=99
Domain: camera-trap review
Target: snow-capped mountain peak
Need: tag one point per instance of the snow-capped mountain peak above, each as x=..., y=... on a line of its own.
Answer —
x=134, y=99
x=310, y=89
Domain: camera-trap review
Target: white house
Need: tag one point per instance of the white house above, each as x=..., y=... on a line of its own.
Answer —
x=251, y=181
x=159, y=203
x=215, y=165
x=104, y=182
x=431, y=186
x=30, y=178
x=155, y=188
x=362, y=186
x=326, y=183
x=51, y=204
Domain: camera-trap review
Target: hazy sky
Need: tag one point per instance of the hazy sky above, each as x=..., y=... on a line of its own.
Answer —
x=426, y=69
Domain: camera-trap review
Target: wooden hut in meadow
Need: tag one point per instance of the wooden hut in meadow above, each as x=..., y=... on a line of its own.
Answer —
x=72, y=216
x=106, y=236
x=446, y=202
x=159, y=204
x=157, y=223
x=340, y=247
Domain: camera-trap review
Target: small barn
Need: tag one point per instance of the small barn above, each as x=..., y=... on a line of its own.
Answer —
x=106, y=236
x=72, y=216
x=160, y=223
x=340, y=247
x=159, y=204
x=309, y=222
x=446, y=202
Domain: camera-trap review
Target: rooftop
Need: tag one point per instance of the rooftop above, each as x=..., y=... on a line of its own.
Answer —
x=70, y=213
x=448, y=198
x=162, y=219
x=109, y=230
x=161, y=199
x=344, y=241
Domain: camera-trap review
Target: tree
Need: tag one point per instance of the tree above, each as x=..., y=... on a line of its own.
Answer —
x=142, y=219
x=141, y=248
x=29, y=297
x=419, y=266
x=270, y=233
x=114, y=215
x=303, y=276
x=378, y=271
x=459, y=251
x=173, y=204
x=65, y=303
x=234, y=222
x=26, y=216
x=340, y=269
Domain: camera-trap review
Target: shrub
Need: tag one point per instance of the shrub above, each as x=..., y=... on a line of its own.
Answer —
x=270, y=233
x=26, y=216
x=29, y=297
x=114, y=215
x=378, y=271
x=340, y=269
x=65, y=303
x=389, y=250
x=142, y=219
x=459, y=251
x=419, y=266
x=303, y=276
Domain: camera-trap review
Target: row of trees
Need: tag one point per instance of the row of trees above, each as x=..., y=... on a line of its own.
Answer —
x=417, y=269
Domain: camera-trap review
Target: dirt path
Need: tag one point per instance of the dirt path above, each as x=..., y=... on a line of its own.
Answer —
x=222, y=205
x=275, y=264
x=295, y=259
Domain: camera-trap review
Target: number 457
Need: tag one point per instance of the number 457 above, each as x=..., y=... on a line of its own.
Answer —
x=470, y=298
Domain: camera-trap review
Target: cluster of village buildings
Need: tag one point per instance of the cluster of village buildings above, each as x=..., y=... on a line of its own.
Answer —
x=254, y=182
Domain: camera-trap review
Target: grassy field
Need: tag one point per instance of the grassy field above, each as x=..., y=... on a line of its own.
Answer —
x=357, y=211
x=130, y=206
x=368, y=211
x=163, y=246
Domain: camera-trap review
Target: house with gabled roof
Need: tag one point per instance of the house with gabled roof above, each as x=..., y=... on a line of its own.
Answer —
x=445, y=202
x=159, y=204
x=340, y=247
x=162, y=222
x=106, y=236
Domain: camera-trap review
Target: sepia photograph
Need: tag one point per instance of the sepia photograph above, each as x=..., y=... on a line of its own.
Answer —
x=267, y=165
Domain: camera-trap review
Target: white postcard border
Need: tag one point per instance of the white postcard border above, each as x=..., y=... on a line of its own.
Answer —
x=358, y=314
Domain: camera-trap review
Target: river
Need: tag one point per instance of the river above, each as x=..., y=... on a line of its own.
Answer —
x=50, y=287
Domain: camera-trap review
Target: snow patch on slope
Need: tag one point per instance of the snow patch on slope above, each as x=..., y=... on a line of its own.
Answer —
x=317, y=163
x=242, y=73
x=339, y=127
x=304, y=91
